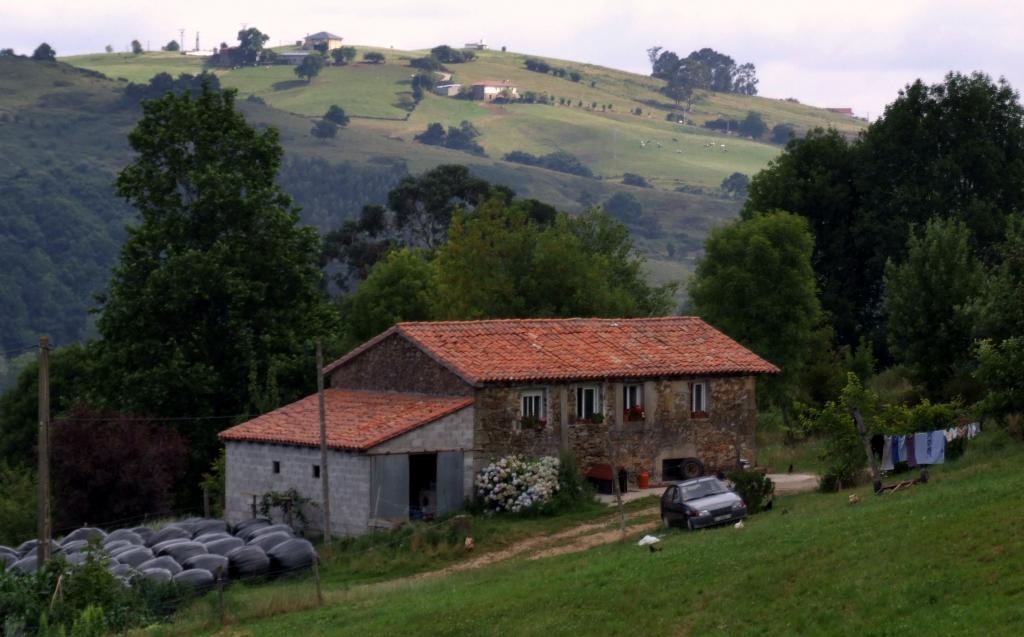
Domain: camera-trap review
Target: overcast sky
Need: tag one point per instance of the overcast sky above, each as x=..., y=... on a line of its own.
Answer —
x=855, y=53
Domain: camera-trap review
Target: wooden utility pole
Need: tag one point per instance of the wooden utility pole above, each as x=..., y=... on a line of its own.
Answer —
x=43, y=550
x=325, y=474
x=876, y=481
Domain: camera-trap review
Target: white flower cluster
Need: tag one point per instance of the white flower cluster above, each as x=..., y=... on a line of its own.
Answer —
x=514, y=483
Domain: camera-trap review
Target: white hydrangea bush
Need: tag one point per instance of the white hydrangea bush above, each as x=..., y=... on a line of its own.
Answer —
x=515, y=483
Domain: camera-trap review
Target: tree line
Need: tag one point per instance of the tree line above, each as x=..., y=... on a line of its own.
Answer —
x=705, y=69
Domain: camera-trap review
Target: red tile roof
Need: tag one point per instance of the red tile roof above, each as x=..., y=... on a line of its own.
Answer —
x=355, y=419
x=564, y=349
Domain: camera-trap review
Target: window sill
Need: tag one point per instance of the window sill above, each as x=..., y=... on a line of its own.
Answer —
x=699, y=415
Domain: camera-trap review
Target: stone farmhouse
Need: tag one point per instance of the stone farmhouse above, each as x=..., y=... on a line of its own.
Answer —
x=494, y=89
x=413, y=414
x=322, y=37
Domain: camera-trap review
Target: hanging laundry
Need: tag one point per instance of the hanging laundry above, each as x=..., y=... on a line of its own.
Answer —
x=930, y=447
x=899, y=449
x=911, y=451
x=887, y=463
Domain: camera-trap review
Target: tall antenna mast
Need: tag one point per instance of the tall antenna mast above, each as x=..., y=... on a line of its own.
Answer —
x=197, y=41
x=181, y=32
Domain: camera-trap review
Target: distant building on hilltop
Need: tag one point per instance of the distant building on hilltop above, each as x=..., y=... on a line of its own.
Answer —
x=492, y=89
x=844, y=110
x=479, y=46
x=323, y=37
x=447, y=90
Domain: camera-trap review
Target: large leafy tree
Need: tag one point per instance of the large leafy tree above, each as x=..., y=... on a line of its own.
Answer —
x=401, y=287
x=250, y=45
x=216, y=299
x=756, y=284
x=929, y=299
x=955, y=147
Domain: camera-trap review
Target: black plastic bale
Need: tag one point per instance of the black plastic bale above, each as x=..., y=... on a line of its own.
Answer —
x=74, y=559
x=9, y=551
x=121, y=570
x=269, y=540
x=197, y=579
x=224, y=546
x=85, y=533
x=134, y=556
x=209, y=525
x=208, y=562
x=157, y=574
x=26, y=546
x=159, y=548
x=7, y=559
x=26, y=565
x=209, y=537
x=183, y=551
x=168, y=533
x=135, y=551
x=112, y=547
x=143, y=532
x=123, y=535
x=164, y=562
x=248, y=561
x=250, y=523
x=74, y=546
x=273, y=528
x=291, y=556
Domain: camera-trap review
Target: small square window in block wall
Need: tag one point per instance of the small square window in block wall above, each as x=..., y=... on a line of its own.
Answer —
x=277, y=467
x=316, y=471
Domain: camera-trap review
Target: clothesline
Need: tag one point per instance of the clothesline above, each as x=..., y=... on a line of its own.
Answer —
x=923, y=448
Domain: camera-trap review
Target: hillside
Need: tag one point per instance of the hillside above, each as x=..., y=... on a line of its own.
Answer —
x=64, y=133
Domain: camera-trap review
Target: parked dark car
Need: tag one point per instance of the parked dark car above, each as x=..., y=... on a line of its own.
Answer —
x=700, y=503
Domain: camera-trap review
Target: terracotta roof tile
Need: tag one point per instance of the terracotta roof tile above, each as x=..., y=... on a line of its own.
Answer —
x=355, y=419
x=553, y=349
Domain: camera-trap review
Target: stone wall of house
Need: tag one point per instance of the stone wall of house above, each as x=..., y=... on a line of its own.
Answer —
x=250, y=473
x=395, y=364
x=666, y=431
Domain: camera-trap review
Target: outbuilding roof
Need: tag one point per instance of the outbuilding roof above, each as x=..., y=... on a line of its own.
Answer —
x=575, y=349
x=355, y=420
x=323, y=35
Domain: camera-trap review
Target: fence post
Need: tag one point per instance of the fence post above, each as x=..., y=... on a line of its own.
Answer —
x=206, y=502
x=316, y=578
x=254, y=505
x=220, y=592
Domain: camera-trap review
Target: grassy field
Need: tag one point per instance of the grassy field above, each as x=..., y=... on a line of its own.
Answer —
x=943, y=559
x=608, y=140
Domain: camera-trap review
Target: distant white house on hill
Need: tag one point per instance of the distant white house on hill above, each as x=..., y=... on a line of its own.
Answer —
x=479, y=46
x=322, y=37
x=447, y=90
x=494, y=89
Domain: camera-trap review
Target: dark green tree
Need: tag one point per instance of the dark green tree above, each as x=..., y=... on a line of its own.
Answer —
x=250, y=46
x=337, y=115
x=401, y=287
x=753, y=126
x=172, y=46
x=137, y=47
x=373, y=57
x=1001, y=370
x=310, y=66
x=324, y=129
x=343, y=55
x=756, y=284
x=999, y=309
x=929, y=299
x=736, y=185
x=216, y=300
x=782, y=133
x=44, y=53
x=624, y=207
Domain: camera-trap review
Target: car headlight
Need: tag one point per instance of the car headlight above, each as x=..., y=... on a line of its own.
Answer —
x=736, y=506
x=704, y=513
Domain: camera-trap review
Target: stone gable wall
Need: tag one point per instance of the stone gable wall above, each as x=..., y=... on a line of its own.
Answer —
x=395, y=364
x=667, y=431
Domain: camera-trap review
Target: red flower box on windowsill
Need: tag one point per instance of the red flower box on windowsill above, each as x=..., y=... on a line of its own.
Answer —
x=698, y=414
x=634, y=413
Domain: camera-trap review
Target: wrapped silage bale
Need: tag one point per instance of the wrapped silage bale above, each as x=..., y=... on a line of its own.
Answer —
x=123, y=535
x=143, y=532
x=85, y=533
x=121, y=570
x=209, y=537
x=159, y=548
x=244, y=525
x=273, y=528
x=270, y=540
x=171, y=532
x=291, y=555
x=247, y=561
x=157, y=575
x=74, y=546
x=163, y=561
x=134, y=557
x=224, y=546
x=197, y=579
x=208, y=562
x=209, y=525
x=183, y=550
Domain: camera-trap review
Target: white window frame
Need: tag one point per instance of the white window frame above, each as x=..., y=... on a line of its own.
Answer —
x=637, y=398
x=701, y=406
x=581, y=402
x=537, y=402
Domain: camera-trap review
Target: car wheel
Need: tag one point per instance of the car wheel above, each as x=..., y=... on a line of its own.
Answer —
x=665, y=521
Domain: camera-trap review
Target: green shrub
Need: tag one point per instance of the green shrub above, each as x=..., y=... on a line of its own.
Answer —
x=90, y=623
x=755, y=488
